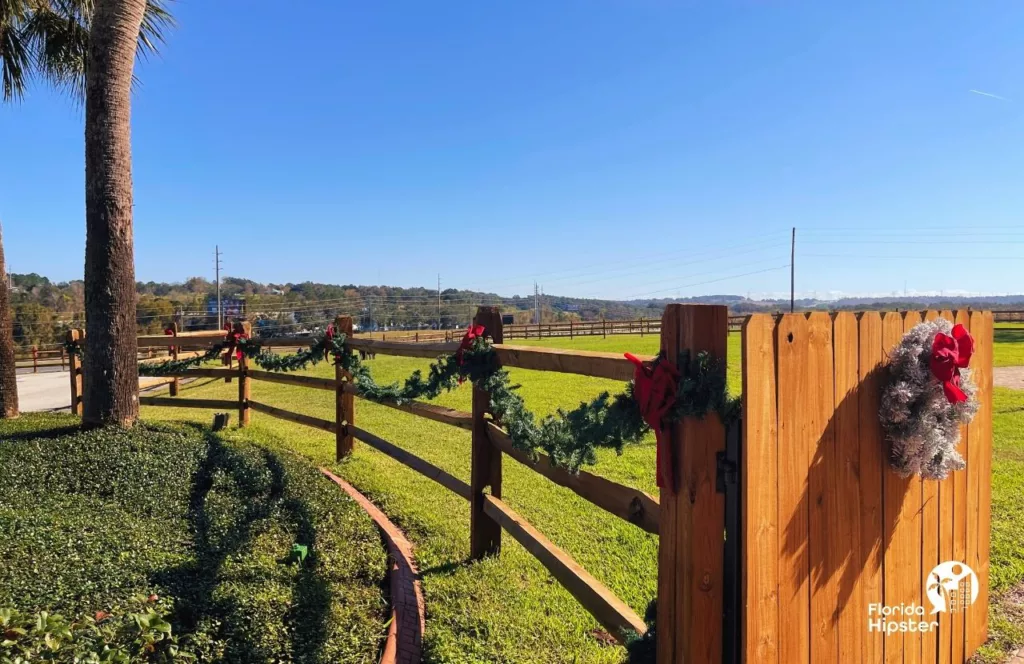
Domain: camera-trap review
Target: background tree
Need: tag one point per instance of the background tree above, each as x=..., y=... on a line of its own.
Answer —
x=8, y=371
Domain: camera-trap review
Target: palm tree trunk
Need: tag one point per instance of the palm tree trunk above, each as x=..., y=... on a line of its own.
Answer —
x=111, y=380
x=8, y=374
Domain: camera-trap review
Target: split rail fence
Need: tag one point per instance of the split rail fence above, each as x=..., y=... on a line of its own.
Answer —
x=784, y=527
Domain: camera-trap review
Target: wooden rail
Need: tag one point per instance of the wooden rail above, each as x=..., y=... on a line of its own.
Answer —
x=609, y=610
x=455, y=418
x=291, y=379
x=203, y=372
x=624, y=502
x=297, y=418
x=181, y=402
x=421, y=466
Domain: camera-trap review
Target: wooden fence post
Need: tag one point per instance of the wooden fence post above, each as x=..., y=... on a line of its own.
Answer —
x=603, y=333
x=692, y=518
x=75, y=370
x=244, y=383
x=344, y=408
x=62, y=360
x=35, y=359
x=485, y=467
x=176, y=383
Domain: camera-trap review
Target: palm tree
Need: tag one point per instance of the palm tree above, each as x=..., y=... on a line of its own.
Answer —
x=8, y=377
x=88, y=47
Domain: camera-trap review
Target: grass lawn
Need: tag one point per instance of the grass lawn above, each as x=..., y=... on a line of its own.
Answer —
x=509, y=609
x=192, y=526
x=1009, y=344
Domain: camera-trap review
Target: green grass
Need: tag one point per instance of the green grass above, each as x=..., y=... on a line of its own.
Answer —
x=1006, y=614
x=509, y=609
x=91, y=521
x=1008, y=347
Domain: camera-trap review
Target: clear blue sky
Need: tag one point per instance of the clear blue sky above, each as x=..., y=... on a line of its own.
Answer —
x=498, y=143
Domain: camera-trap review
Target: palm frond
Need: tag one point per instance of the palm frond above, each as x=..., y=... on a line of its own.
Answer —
x=15, y=59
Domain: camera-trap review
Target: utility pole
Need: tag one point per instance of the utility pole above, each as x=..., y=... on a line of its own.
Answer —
x=439, y=300
x=220, y=311
x=536, y=303
x=792, y=272
x=369, y=299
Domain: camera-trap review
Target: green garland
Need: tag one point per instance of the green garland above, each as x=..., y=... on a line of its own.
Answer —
x=569, y=438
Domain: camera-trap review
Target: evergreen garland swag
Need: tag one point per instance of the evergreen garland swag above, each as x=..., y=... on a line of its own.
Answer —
x=569, y=438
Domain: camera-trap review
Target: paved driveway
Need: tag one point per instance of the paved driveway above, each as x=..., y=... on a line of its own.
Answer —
x=51, y=391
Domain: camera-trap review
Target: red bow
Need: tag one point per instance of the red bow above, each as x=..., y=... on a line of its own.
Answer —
x=950, y=354
x=235, y=333
x=170, y=332
x=655, y=391
x=329, y=337
x=473, y=332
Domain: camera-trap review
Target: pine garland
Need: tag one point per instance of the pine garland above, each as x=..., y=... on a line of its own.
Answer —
x=569, y=438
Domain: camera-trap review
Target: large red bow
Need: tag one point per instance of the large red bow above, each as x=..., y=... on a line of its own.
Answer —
x=950, y=354
x=473, y=332
x=655, y=392
x=170, y=332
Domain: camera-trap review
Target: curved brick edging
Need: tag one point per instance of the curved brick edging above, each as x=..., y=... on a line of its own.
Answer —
x=405, y=636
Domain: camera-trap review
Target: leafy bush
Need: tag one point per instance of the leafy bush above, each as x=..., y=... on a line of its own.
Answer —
x=90, y=520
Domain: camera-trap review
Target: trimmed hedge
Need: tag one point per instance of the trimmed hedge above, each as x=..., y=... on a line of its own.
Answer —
x=90, y=521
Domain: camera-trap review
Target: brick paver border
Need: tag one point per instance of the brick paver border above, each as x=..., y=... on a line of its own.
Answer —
x=405, y=636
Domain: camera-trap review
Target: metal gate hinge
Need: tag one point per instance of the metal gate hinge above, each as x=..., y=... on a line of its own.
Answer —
x=726, y=472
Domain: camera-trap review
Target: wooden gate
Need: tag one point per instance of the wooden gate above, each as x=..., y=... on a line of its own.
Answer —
x=831, y=533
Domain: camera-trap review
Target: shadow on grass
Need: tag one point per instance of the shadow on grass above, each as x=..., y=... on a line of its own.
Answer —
x=1008, y=335
x=48, y=433
x=195, y=584
x=447, y=569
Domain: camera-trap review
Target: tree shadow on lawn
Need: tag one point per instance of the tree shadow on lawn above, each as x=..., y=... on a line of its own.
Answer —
x=195, y=584
x=40, y=434
x=1008, y=335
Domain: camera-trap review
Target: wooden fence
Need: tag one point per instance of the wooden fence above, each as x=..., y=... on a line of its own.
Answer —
x=830, y=530
x=827, y=529
x=602, y=328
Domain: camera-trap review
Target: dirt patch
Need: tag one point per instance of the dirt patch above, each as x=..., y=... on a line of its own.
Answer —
x=1012, y=377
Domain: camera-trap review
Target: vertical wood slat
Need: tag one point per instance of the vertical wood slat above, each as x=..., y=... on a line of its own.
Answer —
x=910, y=537
x=75, y=371
x=946, y=494
x=979, y=495
x=669, y=571
x=960, y=488
x=930, y=536
x=897, y=558
x=845, y=541
x=873, y=466
x=793, y=343
x=818, y=406
x=485, y=464
x=760, y=493
x=344, y=402
x=699, y=510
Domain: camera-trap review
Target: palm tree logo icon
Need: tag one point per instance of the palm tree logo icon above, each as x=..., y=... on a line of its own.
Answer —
x=951, y=587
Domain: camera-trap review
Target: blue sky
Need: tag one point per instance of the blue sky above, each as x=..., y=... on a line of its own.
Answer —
x=607, y=148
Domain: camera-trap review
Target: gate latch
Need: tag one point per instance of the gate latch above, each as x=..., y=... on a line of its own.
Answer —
x=726, y=472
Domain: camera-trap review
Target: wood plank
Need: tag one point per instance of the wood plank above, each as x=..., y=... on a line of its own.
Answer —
x=873, y=465
x=183, y=339
x=485, y=461
x=760, y=493
x=180, y=402
x=344, y=402
x=793, y=344
x=289, y=342
x=614, y=614
x=629, y=504
x=930, y=536
x=455, y=418
x=979, y=492
x=414, y=462
x=960, y=490
x=430, y=350
x=297, y=418
x=584, y=363
x=670, y=572
x=910, y=536
x=291, y=379
x=818, y=407
x=845, y=544
x=181, y=356
x=945, y=547
x=895, y=491
x=702, y=509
